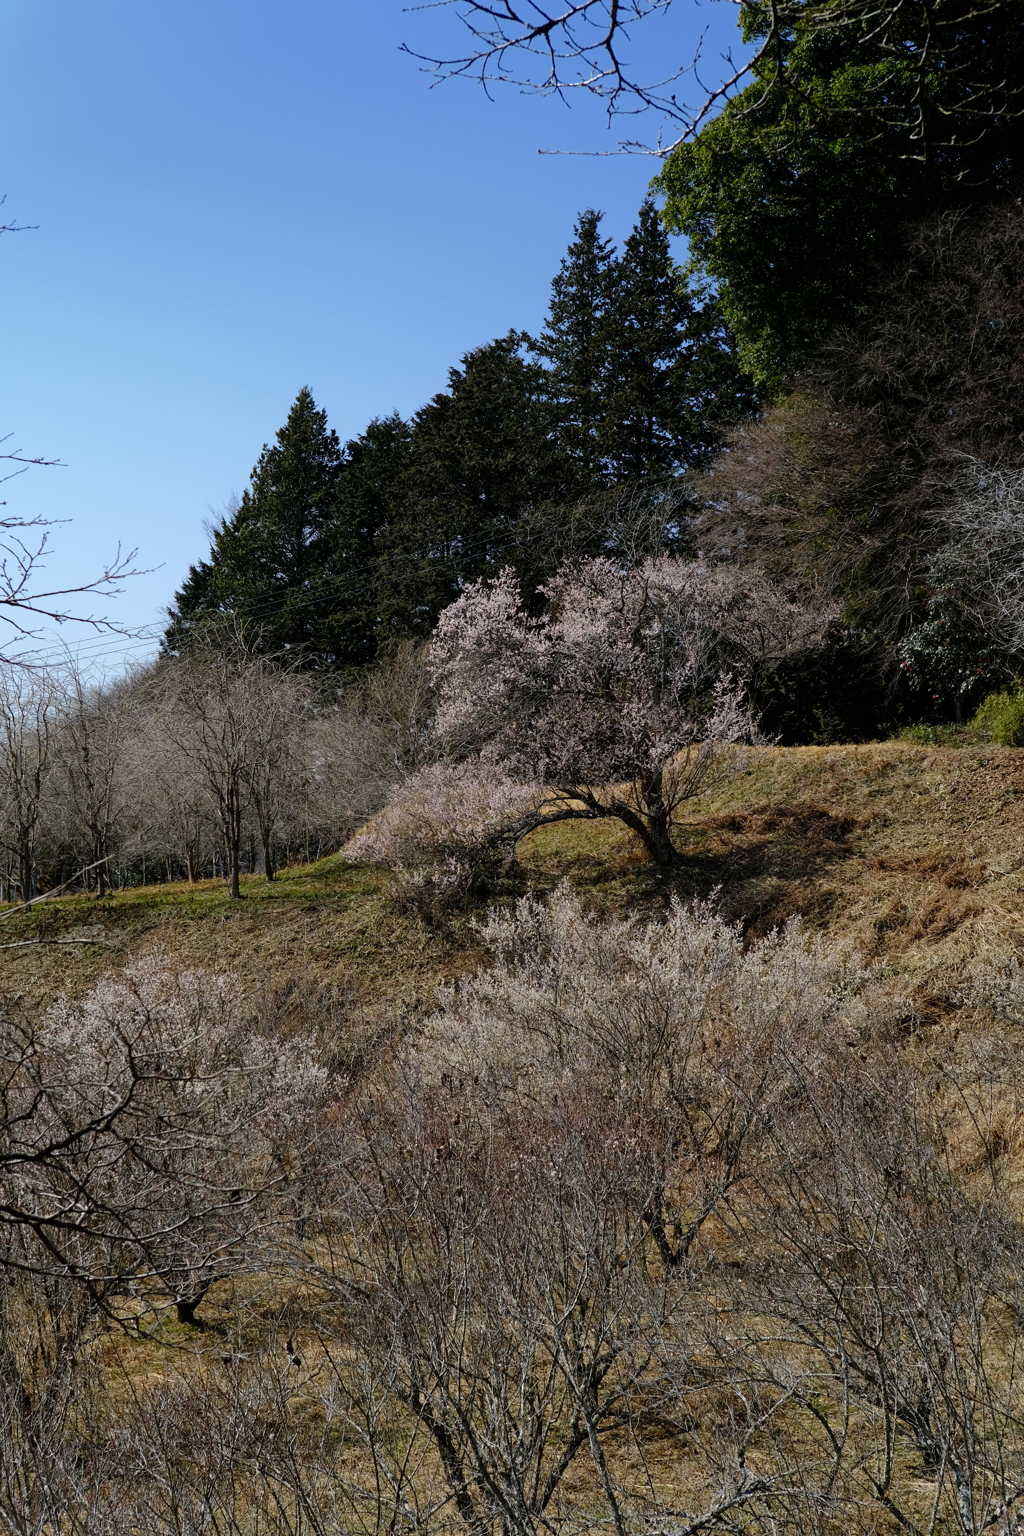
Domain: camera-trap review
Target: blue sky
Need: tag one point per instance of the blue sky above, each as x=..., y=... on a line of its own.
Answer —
x=237, y=199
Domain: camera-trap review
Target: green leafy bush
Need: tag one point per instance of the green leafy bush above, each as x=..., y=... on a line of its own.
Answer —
x=1001, y=718
x=936, y=735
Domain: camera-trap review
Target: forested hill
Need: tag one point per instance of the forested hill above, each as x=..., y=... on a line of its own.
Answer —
x=830, y=395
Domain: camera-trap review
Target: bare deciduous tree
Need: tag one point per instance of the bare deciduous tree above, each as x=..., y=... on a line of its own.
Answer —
x=236, y=719
x=27, y=723
x=141, y=1128
x=981, y=559
x=372, y=737
x=95, y=730
x=584, y=45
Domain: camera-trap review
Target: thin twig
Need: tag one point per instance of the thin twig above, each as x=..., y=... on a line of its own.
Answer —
x=25, y=943
x=23, y=906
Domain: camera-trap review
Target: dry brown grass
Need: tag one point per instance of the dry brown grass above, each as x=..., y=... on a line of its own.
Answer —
x=913, y=855
x=326, y=926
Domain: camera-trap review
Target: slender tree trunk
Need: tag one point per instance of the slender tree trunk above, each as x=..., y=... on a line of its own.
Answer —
x=26, y=875
x=268, y=859
x=231, y=825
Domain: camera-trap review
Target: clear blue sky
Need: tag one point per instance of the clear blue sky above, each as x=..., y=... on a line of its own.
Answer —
x=237, y=199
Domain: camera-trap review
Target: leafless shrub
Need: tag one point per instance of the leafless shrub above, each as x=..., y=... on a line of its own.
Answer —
x=644, y=1226
x=939, y=362
x=635, y=1000
x=869, y=1270
x=981, y=558
x=799, y=491
x=447, y=828
x=523, y=1222
x=48, y=1384
x=372, y=738
x=147, y=1130
x=895, y=1272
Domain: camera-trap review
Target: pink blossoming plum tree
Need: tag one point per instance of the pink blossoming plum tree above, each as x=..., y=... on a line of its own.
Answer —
x=626, y=696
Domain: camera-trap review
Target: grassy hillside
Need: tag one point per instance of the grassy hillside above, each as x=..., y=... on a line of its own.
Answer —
x=914, y=855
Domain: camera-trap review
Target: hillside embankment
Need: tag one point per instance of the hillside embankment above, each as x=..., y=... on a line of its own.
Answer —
x=914, y=856
x=904, y=1114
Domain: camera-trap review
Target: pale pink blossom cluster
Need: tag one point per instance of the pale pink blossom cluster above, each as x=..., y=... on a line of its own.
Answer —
x=628, y=675
x=639, y=1003
x=445, y=826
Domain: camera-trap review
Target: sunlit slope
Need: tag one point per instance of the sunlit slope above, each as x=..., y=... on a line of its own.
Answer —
x=914, y=855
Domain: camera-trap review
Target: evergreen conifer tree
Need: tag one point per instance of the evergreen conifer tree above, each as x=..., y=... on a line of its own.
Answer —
x=574, y=344
x=483, y=457
x=367, y=499
x=672, y=376
x=269, y=566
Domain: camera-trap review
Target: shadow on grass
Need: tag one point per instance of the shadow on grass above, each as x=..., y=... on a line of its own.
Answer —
x=763, y=865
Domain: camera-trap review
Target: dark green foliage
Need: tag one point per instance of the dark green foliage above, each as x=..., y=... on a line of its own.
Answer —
x=799, y=190
x=483, y=456
x=947, y=663
x=836, y=694
x=270, y=567
x=670, y=370
x=369, y=487
x=574, y=343
x=642, y=370
x=339, y=555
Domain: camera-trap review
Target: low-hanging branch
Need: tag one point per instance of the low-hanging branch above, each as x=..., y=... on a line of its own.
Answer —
x=583, y=45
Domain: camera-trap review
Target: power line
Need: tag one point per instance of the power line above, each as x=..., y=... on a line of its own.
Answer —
x=343, y=587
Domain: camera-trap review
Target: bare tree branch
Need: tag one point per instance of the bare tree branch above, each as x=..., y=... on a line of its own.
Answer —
x=582, y=45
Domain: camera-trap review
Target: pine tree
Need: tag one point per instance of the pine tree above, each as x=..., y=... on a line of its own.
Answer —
x=647, y=424
x=672, y=376
x=574, y=344
x=269, y=564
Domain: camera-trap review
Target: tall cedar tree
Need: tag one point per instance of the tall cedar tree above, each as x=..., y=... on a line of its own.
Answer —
x=368, y=492
x=670, y=371
x=270, y=565
x=574, y=345
x=484, y=456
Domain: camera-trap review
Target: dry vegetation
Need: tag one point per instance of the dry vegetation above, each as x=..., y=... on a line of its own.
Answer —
x=848, y=837
x=686, y=1227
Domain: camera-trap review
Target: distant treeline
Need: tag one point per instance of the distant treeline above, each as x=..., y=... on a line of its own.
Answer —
x=338, y=551
x=224, y=763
